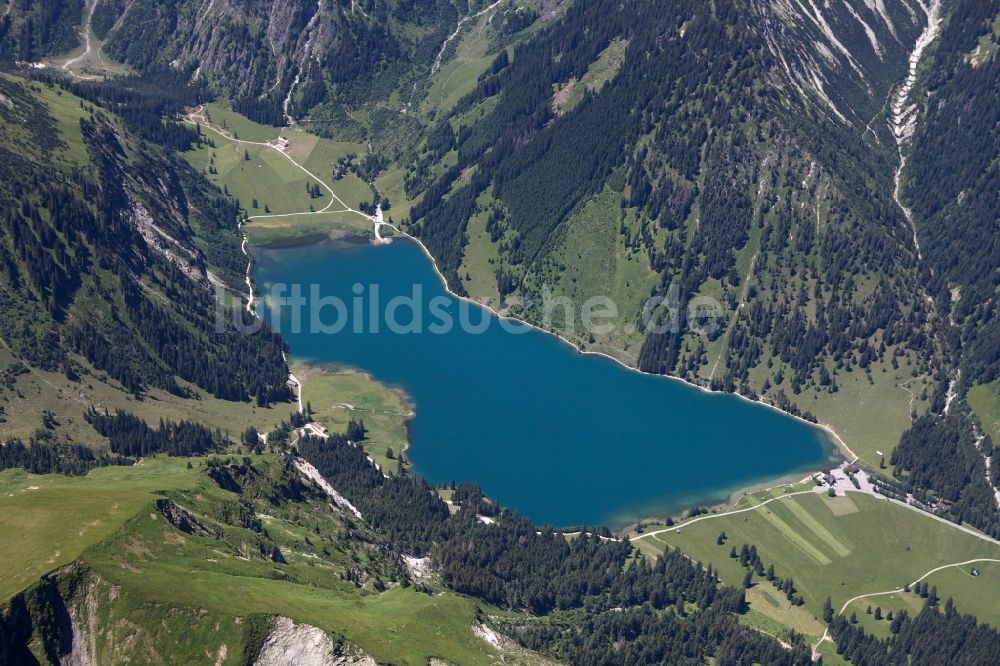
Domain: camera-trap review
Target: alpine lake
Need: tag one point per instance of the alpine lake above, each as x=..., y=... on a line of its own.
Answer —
x=564, y=438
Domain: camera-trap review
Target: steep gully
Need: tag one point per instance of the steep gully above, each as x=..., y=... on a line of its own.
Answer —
x=85, y=34
x=904, y=116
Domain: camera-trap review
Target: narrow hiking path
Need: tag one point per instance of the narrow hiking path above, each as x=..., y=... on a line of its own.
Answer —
x=903, y=122
x=310, y=32
x=721, y=514
x=744, y=292
x=867, y=489
x=436, y=65
x=814, y=491
x=826, y=633
x=37, y=375
x=197, y=117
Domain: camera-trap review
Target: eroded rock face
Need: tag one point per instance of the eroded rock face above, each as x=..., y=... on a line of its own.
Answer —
x=290, y=644
x=846, y=55
x=183, y=520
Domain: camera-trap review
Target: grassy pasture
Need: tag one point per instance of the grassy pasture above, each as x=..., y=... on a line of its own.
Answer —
x=47, y=521
x=840, y=548
x=984, y=399
x=338, y=396
x=38, y=391
x=107, y=521
x=286, y=212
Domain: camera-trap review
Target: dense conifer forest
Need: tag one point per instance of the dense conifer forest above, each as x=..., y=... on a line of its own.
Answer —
x=952, y=183
x=39, y=29
x=660, y=136
x=934, y=636
x=41, y=456
x=665, y=611
x=130, y=436
x=71, y=246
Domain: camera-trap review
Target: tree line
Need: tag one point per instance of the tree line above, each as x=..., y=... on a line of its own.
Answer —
x=594, y=601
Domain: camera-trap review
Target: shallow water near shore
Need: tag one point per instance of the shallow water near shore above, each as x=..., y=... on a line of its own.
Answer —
x=562, y=437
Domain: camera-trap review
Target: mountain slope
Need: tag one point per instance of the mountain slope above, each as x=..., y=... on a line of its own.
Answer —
x=280, y=61
x=109, y=248
x=31, y=30
x=791, y=199
x=710, y=171
x=256, y=528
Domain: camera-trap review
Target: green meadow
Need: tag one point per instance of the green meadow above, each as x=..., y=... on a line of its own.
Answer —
x=107, y=522
x=40, y=391
x=337, y=396
x=838, y=547
x=274, y=187
x=48, y=521
x=984, y=399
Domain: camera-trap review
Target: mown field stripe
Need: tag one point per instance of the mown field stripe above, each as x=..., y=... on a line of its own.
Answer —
x=792, y=535
x=814, y=525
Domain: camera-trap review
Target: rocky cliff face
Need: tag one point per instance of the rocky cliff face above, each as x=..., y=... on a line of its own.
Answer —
x=303, y=645
x=844, y=54
x=283, y=56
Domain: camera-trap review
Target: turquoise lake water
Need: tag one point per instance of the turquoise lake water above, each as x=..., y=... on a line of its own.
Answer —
x=564, y=438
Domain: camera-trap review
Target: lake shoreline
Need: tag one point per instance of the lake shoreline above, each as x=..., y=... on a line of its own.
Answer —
x=835, y=439
x=832, y=445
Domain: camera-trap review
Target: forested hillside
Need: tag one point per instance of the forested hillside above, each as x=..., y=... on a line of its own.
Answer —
x=952, y=183
x=590, y=600
x=748, y=155
x=31, y=30
x=288, y=60
x=106, y=247
x=823, y=178
x=698, y=169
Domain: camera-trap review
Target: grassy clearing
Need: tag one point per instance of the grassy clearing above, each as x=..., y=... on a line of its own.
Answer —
x=399, y=626
x=337, y=397
x=592, y=261
x=870, y=416
x=818, y=530
x=971, y=593
x=480, y=260
x=66, y=111
x=391, y=184
x=468, y=58
x=94, y=65
x=47, y=521
x=38, y=391
x=771, y=612
x=984, y=399
x=886, y=545
x=830, y=657
x=457, y=77
x=147, y=557
x=107, y=521
x=790, y=533
x=987, y=46
x=301, y=229
x=286, y=212
x=599, y=73
x=250, y=172
x=889, y=603
x=244, y=128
